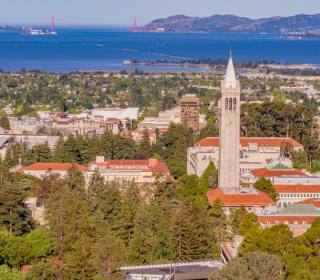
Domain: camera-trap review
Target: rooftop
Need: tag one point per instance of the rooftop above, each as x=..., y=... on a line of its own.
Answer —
x=256, y=198
x=297, y=188
x=299, y=209
x=313, y=201
x=266, y=172
x=187, y=270
x=245, y=141
x=53, y=166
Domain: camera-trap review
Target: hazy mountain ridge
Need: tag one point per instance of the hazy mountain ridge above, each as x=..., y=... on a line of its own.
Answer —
x=234, y=24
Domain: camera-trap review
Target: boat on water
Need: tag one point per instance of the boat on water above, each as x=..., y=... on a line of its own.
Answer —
x=38, y=32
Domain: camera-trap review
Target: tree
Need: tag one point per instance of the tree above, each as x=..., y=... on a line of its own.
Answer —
x=278, y=96
x=9, y=274
x=15, y=251
x=4, y=121
x=42, y=271
x=42, y=243
x=78, y=262
x=144, y=150
x=192, y=237
x=123, y=226
x=74, y=179
x=59, y=154
x=108, y=254
x=83, y=153
x=219, y=221
x=255, y=265
x=274, y=240
x=190, y=188
x=209, y=178
x=300, y=160
x=67, y=213
x=14, y=214
x=106, y=205
x=141, y=243
x=42, y=152
x=182, y=231
x=265, y=185
x=44, y=187
x=173, y=146
x=162, y=248
x=242, y=222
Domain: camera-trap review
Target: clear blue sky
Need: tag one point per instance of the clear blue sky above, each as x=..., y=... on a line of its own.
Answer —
x=123, y=11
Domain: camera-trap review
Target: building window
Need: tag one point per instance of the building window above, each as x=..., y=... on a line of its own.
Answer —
x=230, y=104
x=226, y=104
x=234, y=104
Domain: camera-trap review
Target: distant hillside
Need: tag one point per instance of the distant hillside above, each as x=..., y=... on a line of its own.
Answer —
x=228, y=24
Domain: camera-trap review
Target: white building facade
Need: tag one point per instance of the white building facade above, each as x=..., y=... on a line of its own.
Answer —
x=254, y=153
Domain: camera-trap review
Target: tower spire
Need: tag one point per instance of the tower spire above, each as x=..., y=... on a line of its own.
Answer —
x=230, y=79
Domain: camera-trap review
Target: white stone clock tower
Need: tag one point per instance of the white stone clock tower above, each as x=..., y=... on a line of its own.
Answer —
x=229, y=132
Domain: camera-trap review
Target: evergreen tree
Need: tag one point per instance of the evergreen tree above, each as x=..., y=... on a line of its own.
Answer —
x=144, y=150
x=43, y=187
x=59, y=153
x=219, y=221
x=71, y=149
x=205, y=245
x=140, y=246
x=10, y=274
x=15, y=251
x=124, y=224
x=42, y=243
x=108, y=253
x=108, y=205
x=242, y=221
x=83, y=155
x=300, y=160
x=182, y=234
x=14, y=214
x=4, y=121
x=74, y=179
x=274, y=240
x=265, y=185
x=162, y=248
x=209, y=178
x=95, y=186
x=42, y=152
x=42, y=271
x=79, y=263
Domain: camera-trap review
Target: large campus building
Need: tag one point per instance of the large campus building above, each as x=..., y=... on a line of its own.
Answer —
x=255, y=153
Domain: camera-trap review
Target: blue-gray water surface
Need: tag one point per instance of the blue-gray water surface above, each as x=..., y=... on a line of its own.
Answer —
x=104, y=49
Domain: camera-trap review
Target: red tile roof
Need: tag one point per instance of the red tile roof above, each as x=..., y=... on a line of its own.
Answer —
x=313, y=201
x=241, y=199
x=151, y=165
x=265, y=172
x=54, y=166
x=297, y=188
x=286, y=219
x=245, y=141
x=25, y=268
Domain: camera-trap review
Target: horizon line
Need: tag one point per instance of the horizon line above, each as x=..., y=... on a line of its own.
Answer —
x=37, y=23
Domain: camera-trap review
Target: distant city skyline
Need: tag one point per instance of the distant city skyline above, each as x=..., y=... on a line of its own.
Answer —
x=115, y=12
